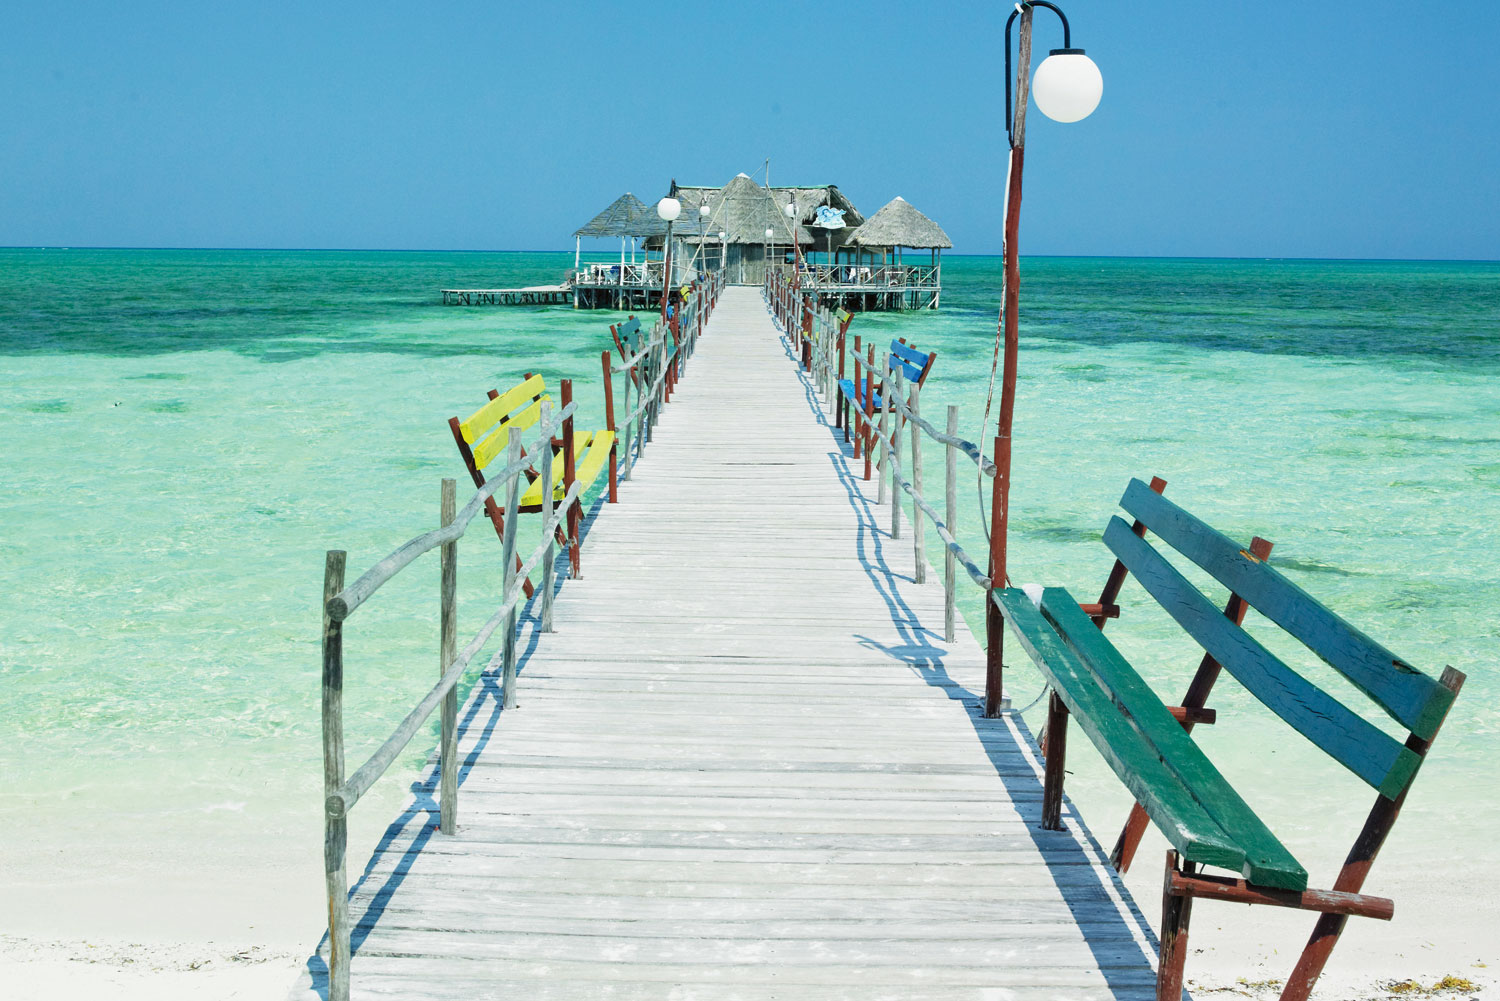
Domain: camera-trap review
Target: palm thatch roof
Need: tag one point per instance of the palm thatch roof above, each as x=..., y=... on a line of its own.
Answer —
x=743, y=210
x=899, y=224
x=625, y=216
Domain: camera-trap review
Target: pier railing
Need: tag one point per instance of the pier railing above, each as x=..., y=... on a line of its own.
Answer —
x=654, y=369
x=802, y=322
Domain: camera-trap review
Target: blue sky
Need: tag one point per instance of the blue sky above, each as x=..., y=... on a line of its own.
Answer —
x=1335, y=129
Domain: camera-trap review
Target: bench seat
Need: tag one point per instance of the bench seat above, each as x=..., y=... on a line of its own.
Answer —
x=857, y=392
x=1184, y=794
x=590, y=453
x=1150, y=747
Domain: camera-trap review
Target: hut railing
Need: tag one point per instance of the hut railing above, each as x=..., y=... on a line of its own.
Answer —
x=641, y=274
x=654, y=368
x=867, y=276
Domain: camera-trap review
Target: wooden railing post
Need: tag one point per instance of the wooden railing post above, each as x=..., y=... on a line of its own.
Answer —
x=950, y=562
x=609, y=423
x=335, y=818
x=570, y=473
x=549, y=570
x=868, y=421
x=1057, y=755
x=890, y=385
x=994, y=670
x=447, y=651
x=508, y=556
x=916, y=486
x=629, y=421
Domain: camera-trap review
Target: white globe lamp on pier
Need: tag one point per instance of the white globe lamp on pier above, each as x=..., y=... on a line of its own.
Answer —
x=667, y=210
x=1067, y=86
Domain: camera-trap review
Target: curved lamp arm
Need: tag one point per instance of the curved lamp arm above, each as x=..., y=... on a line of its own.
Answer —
x=1066, y=49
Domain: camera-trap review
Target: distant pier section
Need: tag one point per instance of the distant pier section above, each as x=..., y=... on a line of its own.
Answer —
x=532, y=295
x=814, y=236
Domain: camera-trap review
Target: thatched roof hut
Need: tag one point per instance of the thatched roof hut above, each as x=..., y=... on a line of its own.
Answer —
x=625, y=216
x=743, y=210
x=899, y=224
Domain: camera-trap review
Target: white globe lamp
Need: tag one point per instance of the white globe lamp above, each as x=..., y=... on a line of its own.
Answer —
x=1067, y=86
x=668, y=209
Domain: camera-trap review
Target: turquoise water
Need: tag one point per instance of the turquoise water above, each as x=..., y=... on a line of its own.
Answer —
x=185, y=432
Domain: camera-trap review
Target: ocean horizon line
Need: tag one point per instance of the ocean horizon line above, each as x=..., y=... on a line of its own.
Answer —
x=951, y=254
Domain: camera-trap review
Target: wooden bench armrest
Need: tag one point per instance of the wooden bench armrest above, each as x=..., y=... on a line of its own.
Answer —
x=1190, y=714
x=1240, y=892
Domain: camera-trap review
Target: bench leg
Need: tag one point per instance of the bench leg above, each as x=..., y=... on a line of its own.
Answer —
x=1175, y=912
x=1057, y=752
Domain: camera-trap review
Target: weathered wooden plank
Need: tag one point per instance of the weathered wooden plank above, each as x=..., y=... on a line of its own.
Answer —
x=1407, y=694
x=1348, y=738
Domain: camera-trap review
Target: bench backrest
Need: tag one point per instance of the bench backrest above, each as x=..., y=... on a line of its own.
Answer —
x=1415, y=700
x=624, y=334
x=486, y=432
x=914, y=364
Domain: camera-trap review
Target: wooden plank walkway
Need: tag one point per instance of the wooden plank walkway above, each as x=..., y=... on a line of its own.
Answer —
x=746, y=765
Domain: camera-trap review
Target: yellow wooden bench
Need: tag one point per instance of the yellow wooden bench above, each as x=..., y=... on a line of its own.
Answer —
x=485, y=434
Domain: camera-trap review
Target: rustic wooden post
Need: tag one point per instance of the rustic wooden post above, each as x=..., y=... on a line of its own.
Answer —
x=869, y=403
x=1057, y=755
x=629, y=421
x=549, y=571
x=335, y=818
x=950, y=562
x=890, y=428
x=1175, y=912
x=609, y=423
x=889, y=385
x=570, y=474
x=447, y=652
x=508, y=553
x=994, y=625
x=916, y=486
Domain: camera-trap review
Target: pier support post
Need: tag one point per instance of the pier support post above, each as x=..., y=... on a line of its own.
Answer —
x=994, y=700
x=508, y=558
x=916, y=486
x=570, y=473
x=609, y=423
x=335, y=818
x=950, y=562
x=1056, y=750
x=549, y=569
x=447, y=652
x=890, y=430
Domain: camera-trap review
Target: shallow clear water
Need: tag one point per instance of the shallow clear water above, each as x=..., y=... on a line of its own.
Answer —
x=185, y=432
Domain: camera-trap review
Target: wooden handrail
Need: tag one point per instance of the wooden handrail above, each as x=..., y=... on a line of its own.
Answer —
x=343, y=604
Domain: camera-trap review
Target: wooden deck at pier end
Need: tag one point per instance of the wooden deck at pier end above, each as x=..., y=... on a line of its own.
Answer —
x=745, y=763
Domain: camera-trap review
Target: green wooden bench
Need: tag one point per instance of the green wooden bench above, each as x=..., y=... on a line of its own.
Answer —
x=1148, y=746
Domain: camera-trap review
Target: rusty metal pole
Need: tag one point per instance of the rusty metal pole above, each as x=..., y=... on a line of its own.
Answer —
x=1000, y=498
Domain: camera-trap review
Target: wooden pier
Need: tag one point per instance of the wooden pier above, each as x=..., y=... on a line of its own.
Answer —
x=746, y=764
x=532, y=295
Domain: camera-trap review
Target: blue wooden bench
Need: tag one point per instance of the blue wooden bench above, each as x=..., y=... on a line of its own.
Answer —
x=1206, y=822
x=862, y=393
